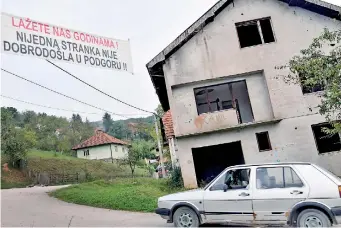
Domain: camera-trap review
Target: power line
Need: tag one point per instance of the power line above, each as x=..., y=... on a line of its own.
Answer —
x=37, y=84
x=61, y=109
x=123, y=102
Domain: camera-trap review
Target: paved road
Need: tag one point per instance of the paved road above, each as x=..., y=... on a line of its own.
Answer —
x=32, y=207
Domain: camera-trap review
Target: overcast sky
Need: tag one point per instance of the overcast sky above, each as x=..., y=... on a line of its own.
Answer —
x=149, y=24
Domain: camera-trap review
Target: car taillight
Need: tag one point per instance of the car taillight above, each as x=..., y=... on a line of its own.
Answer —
x=340, y=190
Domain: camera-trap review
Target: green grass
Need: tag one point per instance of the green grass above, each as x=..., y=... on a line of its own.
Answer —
x=48, y=154
x=56, y=163
x=51, y=162
x=139, y=194
x=8, y=185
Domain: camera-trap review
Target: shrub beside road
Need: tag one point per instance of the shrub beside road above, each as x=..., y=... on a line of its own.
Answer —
x=138, y=194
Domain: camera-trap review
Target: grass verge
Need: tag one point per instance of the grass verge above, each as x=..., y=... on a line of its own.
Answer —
x=56, y=163
x=139, y=194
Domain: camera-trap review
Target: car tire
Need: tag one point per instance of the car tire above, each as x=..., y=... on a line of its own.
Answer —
x=185, y=217
x=313, y=218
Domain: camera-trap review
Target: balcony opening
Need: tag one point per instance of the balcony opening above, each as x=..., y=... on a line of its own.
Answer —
x=324, y=142
x=227, y=96
x=210, y=161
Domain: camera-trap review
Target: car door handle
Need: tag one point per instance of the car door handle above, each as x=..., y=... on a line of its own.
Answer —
x=244, y=194
x=296, y=192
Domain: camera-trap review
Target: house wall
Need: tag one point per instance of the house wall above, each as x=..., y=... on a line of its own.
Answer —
x=214, y=55
x=291, y=139
x=103, y=152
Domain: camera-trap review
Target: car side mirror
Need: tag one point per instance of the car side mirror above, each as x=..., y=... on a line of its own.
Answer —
x=225, y=187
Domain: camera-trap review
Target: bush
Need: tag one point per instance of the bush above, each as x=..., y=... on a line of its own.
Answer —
x=175, y=179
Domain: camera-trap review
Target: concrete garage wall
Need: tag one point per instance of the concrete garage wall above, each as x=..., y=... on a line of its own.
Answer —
x=291, y=139
x=103, y=152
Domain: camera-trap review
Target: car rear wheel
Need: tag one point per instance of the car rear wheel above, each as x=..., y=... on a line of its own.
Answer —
x=313, y=218
x=185, y=217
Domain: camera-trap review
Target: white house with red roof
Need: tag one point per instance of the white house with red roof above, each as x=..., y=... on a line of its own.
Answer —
x=102, y=146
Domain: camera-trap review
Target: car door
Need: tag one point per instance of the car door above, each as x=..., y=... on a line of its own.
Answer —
x=232, y=204
x=277, y=190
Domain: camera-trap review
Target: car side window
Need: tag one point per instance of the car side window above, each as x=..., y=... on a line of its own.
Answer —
x=234, y=179
x=277, y=177
x=291, y=179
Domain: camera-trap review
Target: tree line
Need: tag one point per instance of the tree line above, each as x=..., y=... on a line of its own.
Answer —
x=21, y=131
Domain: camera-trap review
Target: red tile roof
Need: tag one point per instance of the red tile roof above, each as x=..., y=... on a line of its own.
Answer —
x=100, y=138
x=168, y=124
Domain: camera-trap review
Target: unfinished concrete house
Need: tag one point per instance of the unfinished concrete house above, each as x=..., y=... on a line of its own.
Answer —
x=228, y=104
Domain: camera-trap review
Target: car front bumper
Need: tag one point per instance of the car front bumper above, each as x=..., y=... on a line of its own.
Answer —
x=164, y=213
x=337, y=214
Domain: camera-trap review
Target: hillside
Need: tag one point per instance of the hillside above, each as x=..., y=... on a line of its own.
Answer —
x=128, y=129
x=59, y=165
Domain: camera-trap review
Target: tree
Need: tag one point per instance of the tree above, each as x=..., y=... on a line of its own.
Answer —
x=13, y=144
x=107, y=122
x=320, y=65
x=138, y=150
x=30, y=137
x=159, y=111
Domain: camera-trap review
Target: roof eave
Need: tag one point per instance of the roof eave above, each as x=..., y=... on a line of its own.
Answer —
x=82, y=147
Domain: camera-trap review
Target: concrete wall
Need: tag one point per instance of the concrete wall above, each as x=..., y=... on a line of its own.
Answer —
x=292, y=139
x=103, y=152
x=214, y=55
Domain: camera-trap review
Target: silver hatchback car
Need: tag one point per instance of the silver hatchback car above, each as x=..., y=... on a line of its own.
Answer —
x=298, y=194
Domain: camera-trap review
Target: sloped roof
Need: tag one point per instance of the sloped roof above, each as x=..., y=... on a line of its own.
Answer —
x=168, y=124
x=317, y=6
x=100, y=138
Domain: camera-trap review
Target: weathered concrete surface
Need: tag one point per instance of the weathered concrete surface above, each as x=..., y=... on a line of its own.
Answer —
x=32, y=207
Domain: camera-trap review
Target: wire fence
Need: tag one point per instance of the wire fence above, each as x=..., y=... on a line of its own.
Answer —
x=46, y=178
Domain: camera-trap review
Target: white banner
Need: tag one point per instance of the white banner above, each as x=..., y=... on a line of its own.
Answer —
x=23, y=36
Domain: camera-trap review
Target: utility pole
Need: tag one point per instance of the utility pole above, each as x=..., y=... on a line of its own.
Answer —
x=160, y=146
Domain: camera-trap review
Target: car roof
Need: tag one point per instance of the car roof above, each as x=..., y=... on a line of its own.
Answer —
x=272, y=164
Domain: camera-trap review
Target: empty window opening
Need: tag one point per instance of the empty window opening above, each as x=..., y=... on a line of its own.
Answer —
x=255, y=32
x=116, y=149
x=263, y=141
x=210, y=161
x=310, y=88
x=227, y=96
x=324, y=142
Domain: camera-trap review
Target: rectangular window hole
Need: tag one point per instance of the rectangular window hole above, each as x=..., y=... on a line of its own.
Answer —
x=324, y=142
x=263, y=141
x=251, y=33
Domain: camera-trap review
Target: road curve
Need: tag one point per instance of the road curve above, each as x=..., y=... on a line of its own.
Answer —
x=32, y=207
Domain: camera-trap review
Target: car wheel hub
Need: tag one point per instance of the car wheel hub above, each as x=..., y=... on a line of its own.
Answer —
x=185, y=220
x=312, y=221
